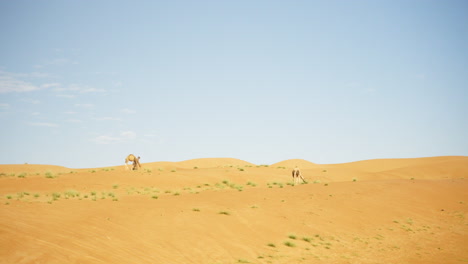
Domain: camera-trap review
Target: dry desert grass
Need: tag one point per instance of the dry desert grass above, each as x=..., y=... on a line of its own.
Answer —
x=218, y=211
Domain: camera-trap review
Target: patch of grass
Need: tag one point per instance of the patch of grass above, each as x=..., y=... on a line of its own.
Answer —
x=50, y=175
x=22, y=175
x=154, y=197
x=289, y=244
x=271, y=245
x=354, y=180
x=55, y=196
x=307, y=239
x=115, y=186
x=240, y=169
x=196, y=209
x=292, y=236
x=224, y=213
x=71, y=194
x=251, y=184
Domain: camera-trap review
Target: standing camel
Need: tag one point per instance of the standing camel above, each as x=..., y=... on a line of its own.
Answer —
x=296, y=173
x=135, y=160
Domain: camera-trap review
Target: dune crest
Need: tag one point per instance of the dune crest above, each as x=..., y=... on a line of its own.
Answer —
x=291, y=163
x=212, y=163
x=200, y=163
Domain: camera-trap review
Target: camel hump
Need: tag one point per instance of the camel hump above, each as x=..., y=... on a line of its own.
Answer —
x=295, y=172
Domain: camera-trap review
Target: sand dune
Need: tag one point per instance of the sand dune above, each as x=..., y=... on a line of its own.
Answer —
x=231, y=211
x=292, y=163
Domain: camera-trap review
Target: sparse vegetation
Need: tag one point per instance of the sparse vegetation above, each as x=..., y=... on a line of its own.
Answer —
x=289, y=244
x=251, y=184
x=224, y=213
x=50, y=175
x=71, y=194
x=55, y=196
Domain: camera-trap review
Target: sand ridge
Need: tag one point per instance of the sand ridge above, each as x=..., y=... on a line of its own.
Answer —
x=233, y=211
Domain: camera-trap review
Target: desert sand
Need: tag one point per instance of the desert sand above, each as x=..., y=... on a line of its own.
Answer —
x=224, y=210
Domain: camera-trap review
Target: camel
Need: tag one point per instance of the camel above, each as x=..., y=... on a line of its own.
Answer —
x=296, y=173
x=135, y=160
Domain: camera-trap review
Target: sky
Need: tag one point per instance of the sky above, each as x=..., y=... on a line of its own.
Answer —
x=85, y=83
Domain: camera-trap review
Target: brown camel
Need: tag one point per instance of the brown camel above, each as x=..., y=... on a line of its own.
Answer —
x=135, y=160
x=296, y=173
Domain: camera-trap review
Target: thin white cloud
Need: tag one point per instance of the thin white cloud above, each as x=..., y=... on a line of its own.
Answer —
x=107, y=118
x=87, y=106
x=55, y=62
x=128, y=111
x=4, y=106
x=111, y=139
x=66, y=95
x=76, y=88
x=91, y=90
x=117, y=84
x=128, y=134
x=50, y=85
x=106, y=139
x=74, y=121
x=43, y=124
x=30, y=101
x=9, y=83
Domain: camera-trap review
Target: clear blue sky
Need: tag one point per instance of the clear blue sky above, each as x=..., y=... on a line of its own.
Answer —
x=84, y=83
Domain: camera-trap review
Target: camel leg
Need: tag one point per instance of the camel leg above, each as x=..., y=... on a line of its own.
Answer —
x=303, y=180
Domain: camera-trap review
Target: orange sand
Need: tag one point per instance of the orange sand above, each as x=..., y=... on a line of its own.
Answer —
x=231, y=211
